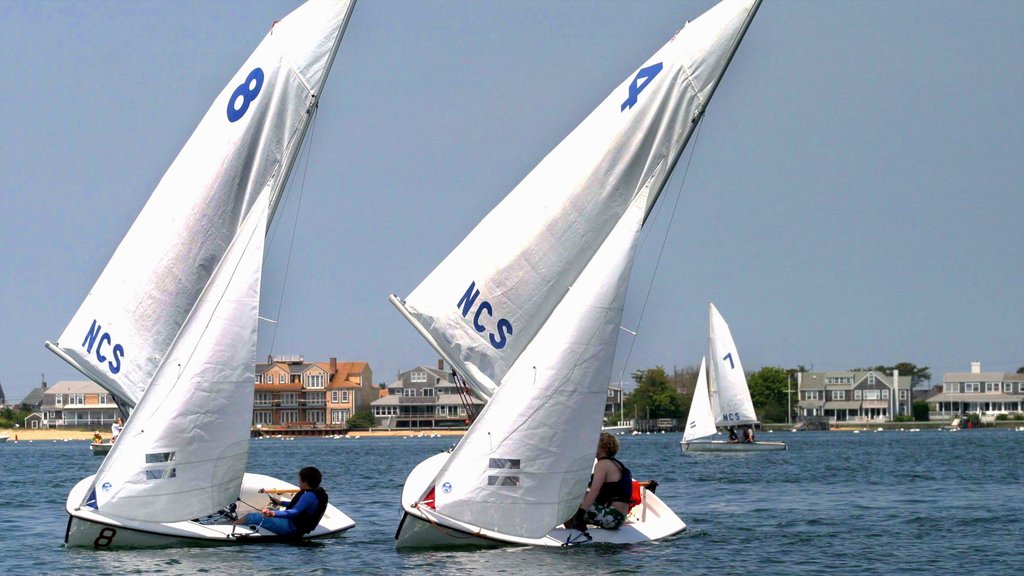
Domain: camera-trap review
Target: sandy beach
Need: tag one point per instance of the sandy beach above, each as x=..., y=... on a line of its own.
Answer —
x=30, y=435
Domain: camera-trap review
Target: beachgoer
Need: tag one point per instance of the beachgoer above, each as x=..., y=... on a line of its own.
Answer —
x=301, y=515
x=115, y=429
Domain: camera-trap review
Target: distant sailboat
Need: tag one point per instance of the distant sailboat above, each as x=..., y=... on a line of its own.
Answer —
x=532, y=321
x=170, y=326
x=723, y=399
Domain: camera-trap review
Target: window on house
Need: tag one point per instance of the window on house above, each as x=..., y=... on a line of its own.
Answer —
x=315, y=416
x=59, y=399
x=262, y=417
x=339, y=416
x=992, y=387
x=972, y=387
x=903, y=394
x=314, y=381
x=259, y=379
x=1007, y=387
x=839, y=394
x=290, y=399
x=811, y=395
x=951, y=387
x=315, y=399
x=871, y=394
x=418, y=377
x=871, y=378
x=289, y=416
x=428, y=391
x=857, y=394
x=281, y=379
x=344, y=396
x=334, y=396
x=885, y=393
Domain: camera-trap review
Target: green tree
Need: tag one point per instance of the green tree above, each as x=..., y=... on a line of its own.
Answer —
x=361, y=420
x=768, y=391
x=920, y=410
x=654, y=396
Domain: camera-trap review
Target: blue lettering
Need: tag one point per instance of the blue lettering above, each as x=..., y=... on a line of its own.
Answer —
x=104, y=338
x=476, y=319
x=504, y=329
x=635, y=88
x=90, y=338
x=468, y=299
x=115, y=364
x=729, y=358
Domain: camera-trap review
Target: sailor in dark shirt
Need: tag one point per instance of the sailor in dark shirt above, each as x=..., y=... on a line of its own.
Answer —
x=611, y=486
x=303, y=512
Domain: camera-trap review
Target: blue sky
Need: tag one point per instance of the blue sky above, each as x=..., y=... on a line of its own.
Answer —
x=855, y=195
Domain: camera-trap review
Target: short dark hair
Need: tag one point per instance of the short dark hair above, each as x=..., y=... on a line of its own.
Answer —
x=310, y=475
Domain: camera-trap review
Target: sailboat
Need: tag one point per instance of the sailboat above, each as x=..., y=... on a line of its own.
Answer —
x=723, y=399
x=532, y=321
x=170, y=327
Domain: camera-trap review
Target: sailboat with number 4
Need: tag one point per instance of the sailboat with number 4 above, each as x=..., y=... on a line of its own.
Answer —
x=532, y=321
x=721, y=398
x=170, y=326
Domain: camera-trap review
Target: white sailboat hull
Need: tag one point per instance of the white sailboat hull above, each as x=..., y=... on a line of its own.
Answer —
x=100, y=448
x=90, y=528
x=723, y=446
x=617, y=430
x=423, y=527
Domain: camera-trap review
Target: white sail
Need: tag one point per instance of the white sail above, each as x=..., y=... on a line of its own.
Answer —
x=730, y=397
x=483, y=305
x=134, y=312
x=700, y=423
x=523, y=466
x=183, y=452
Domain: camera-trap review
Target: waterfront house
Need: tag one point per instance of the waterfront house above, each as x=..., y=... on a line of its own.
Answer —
x=75, y=403
x=34, y=399
x=293, y=393
x=854, y=396
x=426, y=397
x=985, y=393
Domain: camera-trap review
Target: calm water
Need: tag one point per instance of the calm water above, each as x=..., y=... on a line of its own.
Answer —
x=836, y=503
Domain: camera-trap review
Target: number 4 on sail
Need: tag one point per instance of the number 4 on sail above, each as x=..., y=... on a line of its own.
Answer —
x=538, y=327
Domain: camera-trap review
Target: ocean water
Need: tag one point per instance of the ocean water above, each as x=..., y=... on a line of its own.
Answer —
x=892, y=502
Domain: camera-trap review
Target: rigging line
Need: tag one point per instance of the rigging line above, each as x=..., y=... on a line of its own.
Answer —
x=664, y=241
x=295, y=225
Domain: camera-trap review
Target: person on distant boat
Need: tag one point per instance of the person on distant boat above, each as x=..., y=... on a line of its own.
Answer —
x=96, y=438
x=733, y=437
x=115, y=429
x=301, y=515
x=748, y=434
x=611, y=487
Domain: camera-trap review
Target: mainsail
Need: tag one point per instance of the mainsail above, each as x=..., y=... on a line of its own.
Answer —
x=132, y=315
x=532, y=320
x=483, y=305
x=730, y=397
x=180, y=297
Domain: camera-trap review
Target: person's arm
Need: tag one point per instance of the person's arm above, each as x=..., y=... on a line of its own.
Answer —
x=600, y=473
x=307, y=503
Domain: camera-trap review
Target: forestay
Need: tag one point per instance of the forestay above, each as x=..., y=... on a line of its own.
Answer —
x=730, y=397
x=182, y=453
x=139, y=304
x=483, y=305
x=701, y=422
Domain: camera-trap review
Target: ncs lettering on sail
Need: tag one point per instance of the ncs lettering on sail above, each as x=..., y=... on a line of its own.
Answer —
x=636, y=87
x=502, y=329
x=103, y=342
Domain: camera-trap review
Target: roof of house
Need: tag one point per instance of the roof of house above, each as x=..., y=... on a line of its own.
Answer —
x=978, y=397
x=35, y=396
x=75, y=387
